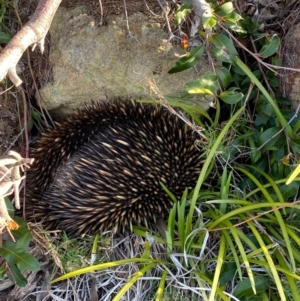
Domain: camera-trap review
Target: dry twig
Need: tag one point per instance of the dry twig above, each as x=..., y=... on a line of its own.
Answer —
x=33, y=33
x=10, y=181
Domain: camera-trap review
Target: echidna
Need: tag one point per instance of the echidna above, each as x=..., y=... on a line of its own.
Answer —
x=101, y=168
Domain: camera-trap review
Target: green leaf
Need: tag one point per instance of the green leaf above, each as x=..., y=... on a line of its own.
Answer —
x=261, y=119
x=2, y=272
x=14, y=254
x=188, y=61
x=271, y=47
x=182, y=12
x=9, y=206
x=289, y=191
x=205, y=84
x=5, y=37
x=209, y=22
x=295, y=145
x=249, y=24
x=28, y=262
x=233, y=18
x=24, y=240
x=267, y=136
x=230, y=96
x=264, y=108
x=208, y=19
x=244, y=288
x=228, y=272
x=224, y=48
x=224, y=9
x=235, y=26
x=36, y=116
x=16, y=276
x=224, y=76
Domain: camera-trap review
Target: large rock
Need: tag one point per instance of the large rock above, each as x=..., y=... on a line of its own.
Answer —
x=92, y=62
x=291, y=58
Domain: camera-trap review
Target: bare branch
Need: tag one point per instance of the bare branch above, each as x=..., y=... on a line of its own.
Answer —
x=33, y=33
x=10, y=181
x=201, y=8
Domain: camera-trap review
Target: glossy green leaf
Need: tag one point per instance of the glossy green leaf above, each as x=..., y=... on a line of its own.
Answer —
x=224, y=76
x=24, y=240
x=235, y=26
x=271, y=46
x=233, y=18
x=269, y=138
x=188, y=61
x=295, y=145
x=2, y=272
x=36, y=116
x=244, y=288
x=224, y=9
x=14, y=254
x=228, y=272
x=249, y=24
x=9, y=206
x=182, y=12
x=16, y=276
x=224, y=48
x=27, y=262
x=209, y=22
x=205, y=84
x=231, y=96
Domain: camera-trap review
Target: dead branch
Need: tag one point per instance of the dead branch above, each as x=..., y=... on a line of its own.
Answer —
x=201, y=9
x=10, y=181
x=33, y=33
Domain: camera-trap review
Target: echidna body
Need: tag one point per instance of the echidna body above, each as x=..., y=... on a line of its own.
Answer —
x=101, y=168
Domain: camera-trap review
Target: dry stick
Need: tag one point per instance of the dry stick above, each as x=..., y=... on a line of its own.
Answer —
x=101, y=13
x=163, y=7
x=41, y=105
x=151, y=12
x=262, y=71
x=23, y=94
x=33, y=33
x=163, y=102
x=127, y=21
x=200, y=9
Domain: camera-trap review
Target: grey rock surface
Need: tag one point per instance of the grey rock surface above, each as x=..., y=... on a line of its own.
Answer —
x=93, y=62
x=290, y=80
